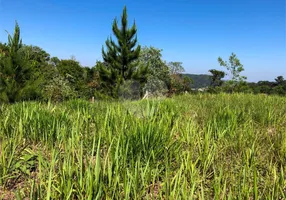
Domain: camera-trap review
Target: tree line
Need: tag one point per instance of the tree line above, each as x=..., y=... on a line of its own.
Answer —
x=126, y=71
x=238, y=83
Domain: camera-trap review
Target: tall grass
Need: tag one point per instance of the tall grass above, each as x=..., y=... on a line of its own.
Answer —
x=188, y=147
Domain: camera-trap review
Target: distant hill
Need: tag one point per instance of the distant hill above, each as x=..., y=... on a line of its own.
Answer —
x=200, y=80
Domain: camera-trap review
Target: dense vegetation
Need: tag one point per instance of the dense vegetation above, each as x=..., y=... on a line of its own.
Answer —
x=54, y=144
x=204, y=146
x=127, y=71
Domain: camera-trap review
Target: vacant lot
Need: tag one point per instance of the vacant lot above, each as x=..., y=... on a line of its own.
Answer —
x=188, y=147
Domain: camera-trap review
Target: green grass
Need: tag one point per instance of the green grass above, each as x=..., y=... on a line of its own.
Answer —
x=187, y=147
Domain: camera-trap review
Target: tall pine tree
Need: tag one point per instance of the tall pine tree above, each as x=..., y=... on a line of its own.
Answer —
x=121, y=58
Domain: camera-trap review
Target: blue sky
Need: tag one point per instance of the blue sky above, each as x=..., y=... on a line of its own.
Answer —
x=195, y=32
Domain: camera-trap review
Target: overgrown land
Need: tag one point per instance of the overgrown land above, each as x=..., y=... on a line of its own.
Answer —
x=142, y=137
x=188, y=147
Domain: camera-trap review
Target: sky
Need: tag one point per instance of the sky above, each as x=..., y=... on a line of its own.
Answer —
x=194, y=32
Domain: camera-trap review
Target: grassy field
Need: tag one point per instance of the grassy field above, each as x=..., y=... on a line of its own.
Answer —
x=187, y=147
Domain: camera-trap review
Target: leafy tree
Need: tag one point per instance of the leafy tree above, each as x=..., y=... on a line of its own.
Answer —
x=75, y=74
x=158, y=78
x=54, y=61
x=91, y=81
x=151, y=57
x=179, y=82
x=216, y=77
x=36, y=59
x=35, y=54
x=269, y=87
x=235, y=68
x=71, y=70
x=176, y=68
x=265, y=86
x=280, y=80
x=121, y=58
x=57, y=88
x=280, y=87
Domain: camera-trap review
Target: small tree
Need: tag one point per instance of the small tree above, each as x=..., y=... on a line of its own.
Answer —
x=235, y=68
x=280, y=80
x=216, y=77
x=280, y=86
x=179, y=82
x=14, y=70
x=121, y=58
x=158, y=78
x=176, y=68
x=57, y=88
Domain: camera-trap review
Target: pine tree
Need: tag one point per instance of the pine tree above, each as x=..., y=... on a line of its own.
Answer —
x=10, y=70
x=16, y=82
x=14, y=43
x=121, y=58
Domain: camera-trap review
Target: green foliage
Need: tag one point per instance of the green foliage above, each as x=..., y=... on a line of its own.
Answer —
x=14, y=43
x=57, y=88
x=280, y=80
x=158, y=78
x=279, y=89
x=129, y=90
x=71, y=70
x=216, y=77
x=121, y=58
x=21, y=70
x=235, y=68
x=267, y=87
x=155, y=86
x=3, y=50
x=91, y=83
x=37, y=60
x=14, y=70
x=176, y=68
x=179, y=82
x=152, y=58
x=76, y=76
x=127, y=72
x=186, y=147
x=54, y=61
x=35, y=55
